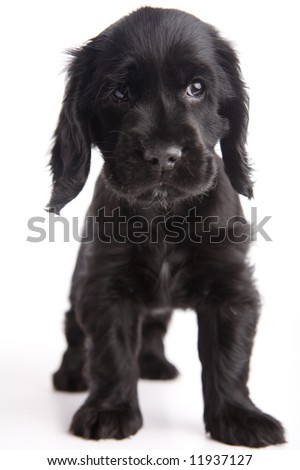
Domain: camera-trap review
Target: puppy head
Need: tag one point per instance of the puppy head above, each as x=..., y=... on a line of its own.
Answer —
x=154, y=92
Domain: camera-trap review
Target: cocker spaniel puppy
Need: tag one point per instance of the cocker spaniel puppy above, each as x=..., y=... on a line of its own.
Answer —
x=156, y=92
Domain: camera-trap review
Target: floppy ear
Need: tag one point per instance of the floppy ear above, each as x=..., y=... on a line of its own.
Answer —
x=234, y=107
x=70, y=160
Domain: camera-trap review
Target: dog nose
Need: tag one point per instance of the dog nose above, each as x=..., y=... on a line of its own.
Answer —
x=163, y=158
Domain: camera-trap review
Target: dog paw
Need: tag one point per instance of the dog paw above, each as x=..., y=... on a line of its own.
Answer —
x=69, y=381
x=90, y=422
x=156, y=368
x=246, y=427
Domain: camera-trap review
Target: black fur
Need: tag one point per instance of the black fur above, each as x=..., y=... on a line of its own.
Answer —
x=129, y=94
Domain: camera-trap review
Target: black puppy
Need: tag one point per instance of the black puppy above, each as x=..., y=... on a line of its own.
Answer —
x=156, y=92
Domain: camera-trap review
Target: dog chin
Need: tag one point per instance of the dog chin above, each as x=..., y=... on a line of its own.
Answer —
x=164, y=195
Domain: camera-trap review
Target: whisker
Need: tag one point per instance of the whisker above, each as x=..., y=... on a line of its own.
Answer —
x=120, y=132
x=188, y=168
x=98, y=93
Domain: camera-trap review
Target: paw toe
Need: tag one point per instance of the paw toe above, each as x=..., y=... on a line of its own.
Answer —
x=69, y=381
x=156, y=368
x=92, y=423
x=246, y=427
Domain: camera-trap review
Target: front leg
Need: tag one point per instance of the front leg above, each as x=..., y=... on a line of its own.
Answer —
x=111, y=410
x=227, y=323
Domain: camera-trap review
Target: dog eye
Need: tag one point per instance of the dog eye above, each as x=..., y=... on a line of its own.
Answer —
x=195, y=89
x=120, y=94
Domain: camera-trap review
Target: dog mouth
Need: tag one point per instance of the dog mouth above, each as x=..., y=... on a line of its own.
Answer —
x=164, y=177
x=163, y=189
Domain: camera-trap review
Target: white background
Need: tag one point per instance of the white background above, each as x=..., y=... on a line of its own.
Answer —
x=35, y=276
